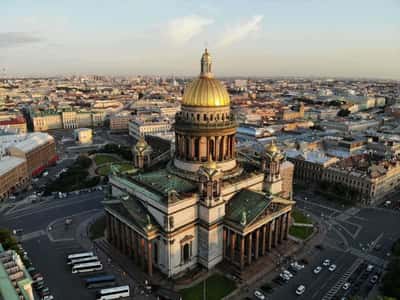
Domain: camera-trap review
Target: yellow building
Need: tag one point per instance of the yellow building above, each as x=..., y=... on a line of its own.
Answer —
x=13, y=175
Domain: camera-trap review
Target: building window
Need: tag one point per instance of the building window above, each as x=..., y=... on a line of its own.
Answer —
x=186, y=252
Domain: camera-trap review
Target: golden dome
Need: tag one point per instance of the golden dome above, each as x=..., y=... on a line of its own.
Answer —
x=206, y=90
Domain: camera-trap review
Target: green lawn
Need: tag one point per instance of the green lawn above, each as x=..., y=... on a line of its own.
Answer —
x=300, y=232
x=103, y=158
x=105, y=169
x=299, y=217
x=217, y=287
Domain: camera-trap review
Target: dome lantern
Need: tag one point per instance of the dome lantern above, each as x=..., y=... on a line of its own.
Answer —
x=206, y=90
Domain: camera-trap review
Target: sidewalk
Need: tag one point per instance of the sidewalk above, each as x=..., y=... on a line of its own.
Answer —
x=113, y=262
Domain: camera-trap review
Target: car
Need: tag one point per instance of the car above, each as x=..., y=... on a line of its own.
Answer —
x=48, y=297
x=332, y=267
x=295, y=265
x=284, y=276
x=300, y=290
x=326, y=263
x=370, y=268
x=317, y=270
x=374, y=279
x=288, y=273
x=346, y=286
x=259, y=295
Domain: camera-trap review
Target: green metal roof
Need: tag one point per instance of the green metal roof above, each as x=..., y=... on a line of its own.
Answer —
x=251, y=202
x=164, y=182
x=134, y=212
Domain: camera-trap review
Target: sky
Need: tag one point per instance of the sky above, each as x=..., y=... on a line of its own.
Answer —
x=323, y=38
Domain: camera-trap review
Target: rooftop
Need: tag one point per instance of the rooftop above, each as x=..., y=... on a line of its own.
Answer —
x=163, y=182
x=134, y=211
x=251, y=202
x=7, y=163
x=33, y=141
x=314, y=156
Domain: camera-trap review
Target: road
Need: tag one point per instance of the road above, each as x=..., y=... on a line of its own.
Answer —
x=47, y=256
x=352, y=235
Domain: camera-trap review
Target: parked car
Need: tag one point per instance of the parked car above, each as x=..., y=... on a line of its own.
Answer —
x=297, y=266
x=288, y=273
x=300, y=290
x=370, y=268
x=332, y=267
x=317, y=270
x=259, y=295
x=326, y=263
x=374, y=279
x=346, y=286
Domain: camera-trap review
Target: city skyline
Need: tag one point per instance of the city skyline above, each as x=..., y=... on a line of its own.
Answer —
x=330, y=39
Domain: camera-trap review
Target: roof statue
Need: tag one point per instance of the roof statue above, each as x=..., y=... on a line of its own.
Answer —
x=114, y=169
x=243, y=220
x=149, y=224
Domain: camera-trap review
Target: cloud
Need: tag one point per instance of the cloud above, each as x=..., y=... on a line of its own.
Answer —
x=13, y=39
x=181, y=30
x=241, y=31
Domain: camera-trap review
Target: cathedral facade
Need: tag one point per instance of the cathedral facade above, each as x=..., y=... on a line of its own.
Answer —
x=205, y=205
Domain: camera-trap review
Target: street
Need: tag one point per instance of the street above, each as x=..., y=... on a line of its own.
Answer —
x=355, y=238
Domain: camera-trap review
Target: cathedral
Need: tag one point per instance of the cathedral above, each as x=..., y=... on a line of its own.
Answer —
x=205, y=205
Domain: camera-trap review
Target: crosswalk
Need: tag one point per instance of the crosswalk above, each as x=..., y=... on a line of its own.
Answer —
x=368, y=257
x=32, y=235
x=332, y=292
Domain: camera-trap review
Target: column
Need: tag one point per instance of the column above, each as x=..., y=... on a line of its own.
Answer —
x=276, y=231
x=269, y=245
x=149, y=259
x=109, y=231
x=233, y=145
x=264, y=242
x=287, y=226
x=242, y=252
x=217, y=142
x=136, y=247
x=257, y=245
x=223, y=243
x=133, y=249
x=117, y=233
x=142, y=251
x=249, y=246
x=282, y=232
x=208, y=148
x=233, y=242
x=229, y=147
x=191, y=148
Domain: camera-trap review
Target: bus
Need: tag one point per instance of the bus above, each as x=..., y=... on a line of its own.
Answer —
x=78, y=255
x=83, y=260
x=100, y=281
x=87, y=267
x=113, y=293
